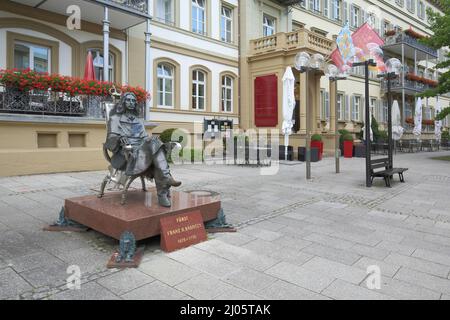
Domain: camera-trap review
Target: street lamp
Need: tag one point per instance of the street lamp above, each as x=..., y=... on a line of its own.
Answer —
x=393, y=69
x=304, y=63
x=333, y=75
x=367, y=64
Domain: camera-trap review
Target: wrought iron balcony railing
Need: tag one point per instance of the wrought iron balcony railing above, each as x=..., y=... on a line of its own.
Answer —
x=12, y=100
x=400, y=38
x=138, y=5
x=408, y=85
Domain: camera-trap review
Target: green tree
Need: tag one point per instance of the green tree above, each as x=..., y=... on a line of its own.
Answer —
x=440, y=25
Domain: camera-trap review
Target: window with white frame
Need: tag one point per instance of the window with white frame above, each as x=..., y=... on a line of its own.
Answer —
x=373, y=107
x=325, y=103
x=198, y=16
x=227, y=94
x=165, y=11
x=336, y=9
x=356, y=106
x=32, y=56
x=421, y=9
x=340, y=106
x=98, y=64
x=385, y=111
x=411, y=5
x=268, y=26
x=354, y=12
x=326, y=4
x=314, y=5
x=226, y=24
x=386, y=27
x=198, y=90
x=165, y=86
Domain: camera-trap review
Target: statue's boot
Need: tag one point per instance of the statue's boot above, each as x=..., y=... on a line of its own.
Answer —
x=174, y=183
x=163, y=179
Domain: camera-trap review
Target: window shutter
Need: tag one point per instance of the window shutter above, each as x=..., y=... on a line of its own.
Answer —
x=327, y=105
x=363, y=17
x=362, y=109
x=347, y=108
x=266, y=101
x=311, y=5
x=352, y=110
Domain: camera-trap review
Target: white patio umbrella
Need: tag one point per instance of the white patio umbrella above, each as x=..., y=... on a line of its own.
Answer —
x=438, y=124
x=288, y=106
x=418, y=118
x=397, y=129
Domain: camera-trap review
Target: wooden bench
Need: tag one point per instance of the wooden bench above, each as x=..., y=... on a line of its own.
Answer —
x=386, y=173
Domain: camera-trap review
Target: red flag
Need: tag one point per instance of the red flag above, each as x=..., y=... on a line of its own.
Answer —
x=89, y=72
x=361, y=37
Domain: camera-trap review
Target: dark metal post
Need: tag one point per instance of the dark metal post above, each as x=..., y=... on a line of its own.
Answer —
x=390, y=140
x=367, y=124
x=336, y=129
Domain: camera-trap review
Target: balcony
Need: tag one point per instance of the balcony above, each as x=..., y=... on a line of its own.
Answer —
x=300, y=39
x=123, y=14
x=410, y=87
x=412, y=47
x=133, y=5
x=14, y=101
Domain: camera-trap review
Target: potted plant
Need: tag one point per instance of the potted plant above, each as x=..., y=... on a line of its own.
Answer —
x=342, y=133
x=316, y=142
x=348, y=145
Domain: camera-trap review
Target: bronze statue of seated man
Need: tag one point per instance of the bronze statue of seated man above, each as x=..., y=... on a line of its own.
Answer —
x=135, y=152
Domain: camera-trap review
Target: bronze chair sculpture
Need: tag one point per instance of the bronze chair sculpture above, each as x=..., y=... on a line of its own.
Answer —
x=135, y=154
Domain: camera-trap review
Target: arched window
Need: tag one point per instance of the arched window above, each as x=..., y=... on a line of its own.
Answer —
x=165, y=86
x=198, y=90
x=97, y=54
x=227, y=94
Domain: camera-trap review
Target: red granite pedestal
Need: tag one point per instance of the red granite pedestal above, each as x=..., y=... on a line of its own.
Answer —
x=141, y=214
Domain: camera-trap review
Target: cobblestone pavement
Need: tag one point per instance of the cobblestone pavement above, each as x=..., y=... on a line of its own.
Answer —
x=295, y=239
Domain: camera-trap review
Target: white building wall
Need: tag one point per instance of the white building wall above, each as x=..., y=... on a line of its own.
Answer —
x=185, y=78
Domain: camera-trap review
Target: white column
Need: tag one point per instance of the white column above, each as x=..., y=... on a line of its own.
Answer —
x=148, y=67
x=106, y=45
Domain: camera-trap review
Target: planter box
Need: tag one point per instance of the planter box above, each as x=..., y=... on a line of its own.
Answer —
x=348, y=149
x=314, y=154
x=290, y=155
x=360, y=151
x=319, y=145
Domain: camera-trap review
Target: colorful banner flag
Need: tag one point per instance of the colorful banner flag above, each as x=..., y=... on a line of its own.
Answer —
x=345, y=45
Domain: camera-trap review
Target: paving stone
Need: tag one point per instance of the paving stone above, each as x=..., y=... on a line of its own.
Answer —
x=432, y=256
x=300, y=276
x=282, y=290
x=238, y=255
x=89, y=291
x=396, y=247
x=345, y=257
x=54, y=274
x=203, y=287
x=11, y=284
x=405, y=291
x=260, y=233
x=329, y=241
x=424, y=280
x=167, y=270
x=387, y=269
x=418, y=264
x=235, y=238
x=341, y=290
x=335, y=270
x=371, y=252
x=32, y=261
x=155, y=290
x=124, y=281
x=250, y=280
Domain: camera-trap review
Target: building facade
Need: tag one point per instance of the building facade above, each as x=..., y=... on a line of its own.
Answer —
x=278, y=30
